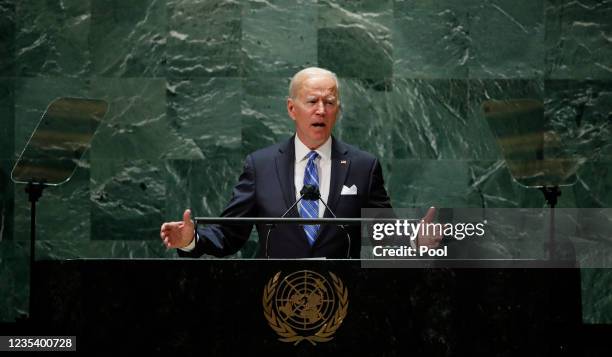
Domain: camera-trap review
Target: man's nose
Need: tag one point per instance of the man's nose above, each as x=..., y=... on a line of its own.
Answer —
x=320, y=107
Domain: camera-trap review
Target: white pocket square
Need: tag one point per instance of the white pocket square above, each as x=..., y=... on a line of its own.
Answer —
x=349, y=190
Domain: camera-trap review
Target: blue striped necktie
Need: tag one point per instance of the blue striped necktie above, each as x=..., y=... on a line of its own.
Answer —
x=310, y=208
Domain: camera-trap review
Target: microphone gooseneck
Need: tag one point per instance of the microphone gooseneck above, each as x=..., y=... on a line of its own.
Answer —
x=348, y=236
x=303, y=193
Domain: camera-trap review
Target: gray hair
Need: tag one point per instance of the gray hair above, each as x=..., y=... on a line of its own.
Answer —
x=298, y=78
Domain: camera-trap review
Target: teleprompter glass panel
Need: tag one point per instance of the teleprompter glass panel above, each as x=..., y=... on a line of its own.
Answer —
x=60, y=139
x=533, y=154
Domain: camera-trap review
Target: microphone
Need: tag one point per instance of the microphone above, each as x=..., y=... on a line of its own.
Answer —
x=306, y=192
x=311, y=193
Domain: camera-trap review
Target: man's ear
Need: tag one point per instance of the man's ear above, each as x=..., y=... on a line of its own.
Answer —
x=291, y=108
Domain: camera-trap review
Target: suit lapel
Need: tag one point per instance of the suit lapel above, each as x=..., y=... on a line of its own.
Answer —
x=339, y=169
x=285, y=165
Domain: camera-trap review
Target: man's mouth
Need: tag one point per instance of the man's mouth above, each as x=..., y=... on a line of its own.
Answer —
x=318, y=125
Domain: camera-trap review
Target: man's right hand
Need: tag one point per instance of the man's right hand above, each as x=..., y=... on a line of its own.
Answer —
x=431, y=240
x=178, y=234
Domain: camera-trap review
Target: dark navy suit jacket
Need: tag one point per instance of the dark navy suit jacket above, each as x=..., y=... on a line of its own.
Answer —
x=266, y=189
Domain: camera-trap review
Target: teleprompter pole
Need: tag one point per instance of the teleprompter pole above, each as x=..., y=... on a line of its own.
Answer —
x=34, y=191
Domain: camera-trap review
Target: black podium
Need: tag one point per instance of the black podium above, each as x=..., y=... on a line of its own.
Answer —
x=214, y=307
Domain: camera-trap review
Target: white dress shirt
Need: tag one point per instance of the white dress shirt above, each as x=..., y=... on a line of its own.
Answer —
x=323, y=163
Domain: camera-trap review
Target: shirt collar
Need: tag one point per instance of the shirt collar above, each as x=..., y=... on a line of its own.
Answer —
x=302, y=150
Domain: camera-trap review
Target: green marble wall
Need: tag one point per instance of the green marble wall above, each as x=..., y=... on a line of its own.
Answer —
x=195, y=85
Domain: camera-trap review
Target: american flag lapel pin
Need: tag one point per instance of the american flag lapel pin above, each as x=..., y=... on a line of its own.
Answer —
x=342, y=162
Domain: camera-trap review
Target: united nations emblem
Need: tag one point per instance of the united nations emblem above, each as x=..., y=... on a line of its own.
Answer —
x=305, y=306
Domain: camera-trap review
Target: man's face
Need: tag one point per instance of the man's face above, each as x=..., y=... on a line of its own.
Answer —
x=314, y=110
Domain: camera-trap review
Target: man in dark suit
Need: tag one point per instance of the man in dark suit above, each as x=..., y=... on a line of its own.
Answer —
x=347, y=178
